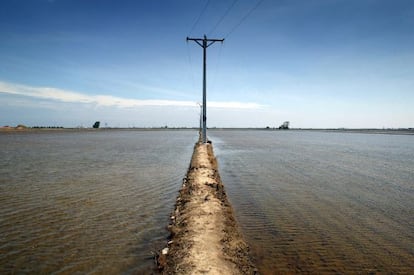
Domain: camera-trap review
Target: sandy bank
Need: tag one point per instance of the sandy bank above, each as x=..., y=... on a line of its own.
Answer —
x=204, y=234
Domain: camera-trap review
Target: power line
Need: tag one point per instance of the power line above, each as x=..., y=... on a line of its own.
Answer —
x=199, y=16
x=224, y=15
x=216, y=68
x=244, y=18
x=190, y=66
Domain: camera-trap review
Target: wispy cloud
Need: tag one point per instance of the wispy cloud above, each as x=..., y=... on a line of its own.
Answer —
x=56, y=94
x=233, y=105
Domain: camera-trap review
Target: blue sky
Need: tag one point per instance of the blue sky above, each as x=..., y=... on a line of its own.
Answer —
x=315, y=63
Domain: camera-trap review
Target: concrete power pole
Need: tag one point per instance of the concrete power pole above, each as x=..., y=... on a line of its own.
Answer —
x=204, y=43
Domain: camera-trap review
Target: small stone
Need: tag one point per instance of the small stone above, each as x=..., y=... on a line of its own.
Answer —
x=162, y=262
x=170, y=242
x=165, y=251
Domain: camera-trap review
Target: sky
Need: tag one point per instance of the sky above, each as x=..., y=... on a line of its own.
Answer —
x=315, y=63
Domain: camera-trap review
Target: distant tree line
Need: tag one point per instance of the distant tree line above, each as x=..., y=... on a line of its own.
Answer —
x=47, y=127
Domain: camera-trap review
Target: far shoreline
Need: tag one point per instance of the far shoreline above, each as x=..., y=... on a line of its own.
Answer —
x=390, y=131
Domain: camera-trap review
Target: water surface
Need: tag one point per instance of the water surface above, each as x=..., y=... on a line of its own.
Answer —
x=310, y=202
x=88, y=201
x=315, y=202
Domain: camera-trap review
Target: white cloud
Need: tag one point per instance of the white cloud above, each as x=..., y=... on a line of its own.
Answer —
x=233, y=105
x=108, y=100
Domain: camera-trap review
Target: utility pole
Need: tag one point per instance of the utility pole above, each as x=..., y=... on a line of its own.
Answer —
x=204, y=43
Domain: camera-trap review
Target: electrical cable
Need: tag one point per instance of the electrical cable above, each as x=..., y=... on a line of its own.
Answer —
x=216, y=69
x=223, y=16
x=190, y=66
x=244, y=18
x=199, y=16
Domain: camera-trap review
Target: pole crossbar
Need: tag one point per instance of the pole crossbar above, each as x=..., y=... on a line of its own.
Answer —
x=204, y=43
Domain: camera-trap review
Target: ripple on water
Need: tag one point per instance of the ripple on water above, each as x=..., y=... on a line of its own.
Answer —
x=312, y=202
x=88, y=202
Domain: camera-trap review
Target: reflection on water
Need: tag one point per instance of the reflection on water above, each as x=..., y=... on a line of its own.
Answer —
x=314, y=202
x=307, y=202
x=87, y=201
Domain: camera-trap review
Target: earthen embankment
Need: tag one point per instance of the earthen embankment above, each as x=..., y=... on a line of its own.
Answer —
x=205, y=238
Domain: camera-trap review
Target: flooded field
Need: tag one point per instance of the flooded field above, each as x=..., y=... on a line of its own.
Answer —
x=315, y=202
x=309, y=202
x=88, y=202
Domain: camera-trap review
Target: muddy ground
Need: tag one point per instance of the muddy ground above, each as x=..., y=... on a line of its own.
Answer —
x=205, y=238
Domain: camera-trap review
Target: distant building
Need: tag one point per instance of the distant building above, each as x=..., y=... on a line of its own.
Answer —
x=284, y=126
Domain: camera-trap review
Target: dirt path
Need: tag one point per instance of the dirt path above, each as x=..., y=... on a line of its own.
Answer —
x=204, y=234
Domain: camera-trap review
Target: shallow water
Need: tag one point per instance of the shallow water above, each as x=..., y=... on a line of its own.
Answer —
x=315, y=202
x=88, y=202
x=310, y=202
